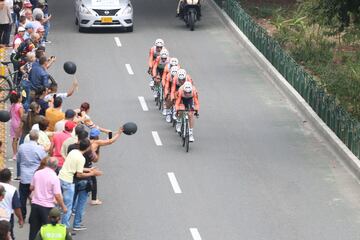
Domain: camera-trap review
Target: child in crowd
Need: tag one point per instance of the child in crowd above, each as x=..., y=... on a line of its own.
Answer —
x=16, y=113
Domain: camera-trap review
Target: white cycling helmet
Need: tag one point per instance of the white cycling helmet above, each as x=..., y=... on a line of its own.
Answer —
x=159, y=42
x=164, y=53
x=181, y=74
x=188, y=87
x=174, y=70
x=174, y=61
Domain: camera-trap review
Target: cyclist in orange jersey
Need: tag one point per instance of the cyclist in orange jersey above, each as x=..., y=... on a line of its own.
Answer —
x=173, y=62
x=167, y=89
x=155, y=52
x=178, y=81
x=187, y=99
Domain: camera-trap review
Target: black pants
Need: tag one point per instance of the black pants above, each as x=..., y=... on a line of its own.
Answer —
x=5, y=30
x=94, y=188
x=24, y=192
x=12, y=227
x=38, y=217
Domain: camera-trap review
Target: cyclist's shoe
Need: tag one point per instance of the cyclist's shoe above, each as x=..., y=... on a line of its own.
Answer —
x=178, y=127
x=191, y=135
x=151, y=84
x=191, y=138
x=155, y=94
x=168, y=118
x=174, y=115
x=164, y=112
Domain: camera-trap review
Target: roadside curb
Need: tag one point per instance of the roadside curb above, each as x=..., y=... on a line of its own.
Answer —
x=351, y=161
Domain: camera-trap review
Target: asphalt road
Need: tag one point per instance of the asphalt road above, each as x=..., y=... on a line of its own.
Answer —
x=257, y=170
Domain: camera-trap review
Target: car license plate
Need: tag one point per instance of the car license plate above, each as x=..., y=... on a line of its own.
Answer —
x=106, y=20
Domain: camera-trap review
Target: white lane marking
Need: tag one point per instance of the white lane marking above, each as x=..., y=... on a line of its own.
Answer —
x=156, y=138
x=117, y=41
x=129, y=69
x=143, y=103
x=195, y=233
x=174, y=183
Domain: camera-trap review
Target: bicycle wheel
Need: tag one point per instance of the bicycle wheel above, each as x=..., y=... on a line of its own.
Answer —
x=183, y=132
x=5, y=88
x=161, y=97
x=187, y=142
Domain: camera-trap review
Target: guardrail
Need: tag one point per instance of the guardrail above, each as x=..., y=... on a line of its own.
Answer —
x=336, y=117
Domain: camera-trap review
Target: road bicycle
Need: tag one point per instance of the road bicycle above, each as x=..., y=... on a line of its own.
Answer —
x=159, y=100
x=185, y=127
x=11, y=82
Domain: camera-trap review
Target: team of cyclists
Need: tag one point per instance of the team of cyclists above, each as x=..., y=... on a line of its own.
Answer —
x=178, y=87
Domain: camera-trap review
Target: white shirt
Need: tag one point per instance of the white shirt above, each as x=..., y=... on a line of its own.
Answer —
x=50, y=96
x=60, y=125
x=6, y=203
x=10, y=3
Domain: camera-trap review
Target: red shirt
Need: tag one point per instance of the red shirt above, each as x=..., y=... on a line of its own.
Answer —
x=58, y=139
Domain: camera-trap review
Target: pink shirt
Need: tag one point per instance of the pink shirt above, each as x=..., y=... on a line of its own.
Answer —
x=46, y=185
x=58, y=140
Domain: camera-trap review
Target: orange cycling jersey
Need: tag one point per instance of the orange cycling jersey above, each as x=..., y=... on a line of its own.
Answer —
x=187, y=100
x=176, y=84
x=165, y=73
x=153, y=54
x=159, y=66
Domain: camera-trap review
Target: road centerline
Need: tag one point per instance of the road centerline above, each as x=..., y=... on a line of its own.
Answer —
x=117, y=41
x=195, y=233
x=174, y=183
x=156, y=138
x=143, y=103
x=129, y=69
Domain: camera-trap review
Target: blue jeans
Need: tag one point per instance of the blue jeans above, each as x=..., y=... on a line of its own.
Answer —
x=68, y=190
x=26, y=86
x=82, y=196
x=47, y=30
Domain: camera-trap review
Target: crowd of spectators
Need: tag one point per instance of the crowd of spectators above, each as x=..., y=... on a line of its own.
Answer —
x=54, y=149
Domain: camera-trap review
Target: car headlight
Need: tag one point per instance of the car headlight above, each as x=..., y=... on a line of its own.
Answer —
x=128, y=10
x=84, y=10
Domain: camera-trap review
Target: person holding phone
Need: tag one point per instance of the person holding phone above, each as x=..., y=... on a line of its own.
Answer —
x=96, y=143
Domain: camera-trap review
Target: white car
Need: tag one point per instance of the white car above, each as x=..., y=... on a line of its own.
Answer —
x=104, y=14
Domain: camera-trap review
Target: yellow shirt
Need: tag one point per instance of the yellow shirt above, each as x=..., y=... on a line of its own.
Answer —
x=74, y=162
x=53, y=115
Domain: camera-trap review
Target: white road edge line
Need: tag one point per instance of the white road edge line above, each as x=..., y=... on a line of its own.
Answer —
x=143, y=103
x=156, y=138
x=174, y=183
x=129, y=69
x=195, y=233
x=117, y=41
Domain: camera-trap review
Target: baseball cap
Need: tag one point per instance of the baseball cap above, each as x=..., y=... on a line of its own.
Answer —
x=70, y=113
x=54, y=213
x=69, y=126
x=21, y=29
x=29, y=25
x=94, y=132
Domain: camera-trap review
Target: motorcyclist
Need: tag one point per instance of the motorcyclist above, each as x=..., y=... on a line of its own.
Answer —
x=182, y=4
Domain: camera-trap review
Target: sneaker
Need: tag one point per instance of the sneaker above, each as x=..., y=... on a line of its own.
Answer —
x=72, y=213
x=164, y=112
x=191, y=138
x=47, y=41
x=79, y=228
x=168, y=118
x=178, y=127
x=17, y=179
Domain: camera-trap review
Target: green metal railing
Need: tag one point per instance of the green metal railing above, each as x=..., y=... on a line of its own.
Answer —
x=339, y=120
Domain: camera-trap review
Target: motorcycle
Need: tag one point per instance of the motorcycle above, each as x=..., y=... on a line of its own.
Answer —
x=191, y=12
